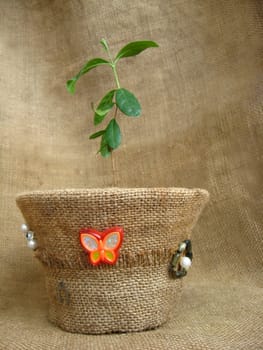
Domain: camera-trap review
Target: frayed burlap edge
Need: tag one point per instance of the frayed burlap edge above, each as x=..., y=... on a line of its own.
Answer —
x=126, y=259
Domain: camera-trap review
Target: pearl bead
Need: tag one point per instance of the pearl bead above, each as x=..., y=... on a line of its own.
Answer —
x=185, y=262
x=29, y=235
x=24, y=228
x=32, y=244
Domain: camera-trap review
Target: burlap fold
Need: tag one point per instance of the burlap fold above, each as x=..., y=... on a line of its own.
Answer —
x=135, y=294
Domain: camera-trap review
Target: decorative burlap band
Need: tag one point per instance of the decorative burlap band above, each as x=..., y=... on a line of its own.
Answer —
x=126, y=259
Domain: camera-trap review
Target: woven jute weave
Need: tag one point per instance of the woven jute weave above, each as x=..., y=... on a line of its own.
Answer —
x=135, y=294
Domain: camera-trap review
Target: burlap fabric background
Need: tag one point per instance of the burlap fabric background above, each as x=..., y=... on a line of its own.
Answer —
x=201, y=127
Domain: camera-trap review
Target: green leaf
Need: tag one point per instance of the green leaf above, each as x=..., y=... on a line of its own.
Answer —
x=105, y=44
x=95, y=62
x=106, y=103
x=71, y=85
x=104, y=107
x=134, y=48
x=105, y=149
x=113, y=134
x=128, y=103
x=98, y=118
x=97, y=134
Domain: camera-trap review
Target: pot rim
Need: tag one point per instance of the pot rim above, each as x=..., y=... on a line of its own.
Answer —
x=102, y=190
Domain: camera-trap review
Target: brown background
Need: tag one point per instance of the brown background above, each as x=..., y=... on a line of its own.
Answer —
x=201, y=127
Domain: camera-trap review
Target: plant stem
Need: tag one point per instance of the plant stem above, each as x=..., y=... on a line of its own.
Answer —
x=115, y=75
x=113, y=66
x=113, y=169
x=115, y=181
x=115, y=112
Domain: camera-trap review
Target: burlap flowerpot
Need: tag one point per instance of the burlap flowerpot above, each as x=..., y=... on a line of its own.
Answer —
x=137, y=292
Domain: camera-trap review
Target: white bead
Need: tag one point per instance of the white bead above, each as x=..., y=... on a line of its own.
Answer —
x=24, y=228
x=185, y=262
x=32, y=244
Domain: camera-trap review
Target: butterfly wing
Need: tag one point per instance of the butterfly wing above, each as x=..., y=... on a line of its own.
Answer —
x=110, y=257
x=112, y=240
x=91, y=245
x=89, y=242
x=111, y=244
x=95, y=257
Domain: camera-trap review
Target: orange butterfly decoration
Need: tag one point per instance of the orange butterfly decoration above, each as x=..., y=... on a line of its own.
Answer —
x=102, y=247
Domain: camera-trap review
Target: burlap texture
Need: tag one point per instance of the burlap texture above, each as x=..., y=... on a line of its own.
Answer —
x=106, y=299
x=201, y=127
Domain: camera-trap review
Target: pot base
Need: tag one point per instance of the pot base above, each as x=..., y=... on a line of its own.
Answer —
x=120, y=300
